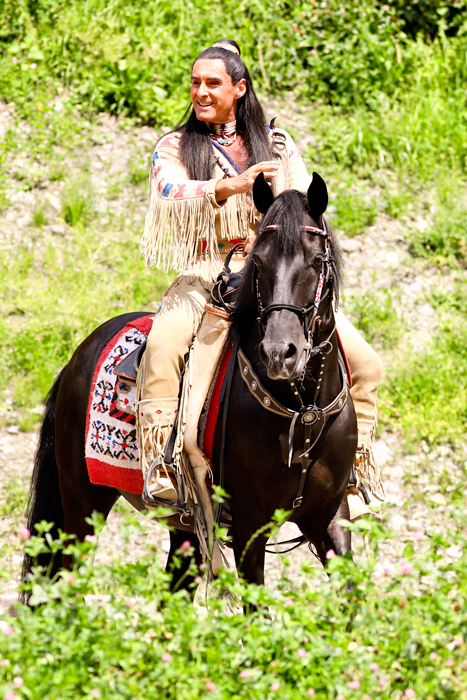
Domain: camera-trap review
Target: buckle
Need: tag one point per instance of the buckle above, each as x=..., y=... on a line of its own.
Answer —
x=297, y=502
x=311, y=414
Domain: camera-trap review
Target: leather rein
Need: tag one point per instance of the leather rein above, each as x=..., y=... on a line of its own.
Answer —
x=310, y=415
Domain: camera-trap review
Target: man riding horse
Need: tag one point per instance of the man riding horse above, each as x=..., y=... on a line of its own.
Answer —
x=201, y=205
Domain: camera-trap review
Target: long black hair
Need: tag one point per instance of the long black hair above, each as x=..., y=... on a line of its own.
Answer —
x=196, y=152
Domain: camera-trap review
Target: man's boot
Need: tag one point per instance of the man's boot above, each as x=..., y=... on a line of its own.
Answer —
x=154, y=425
x=366, y=493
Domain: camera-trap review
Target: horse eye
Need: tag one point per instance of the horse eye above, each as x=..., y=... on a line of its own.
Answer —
x=316, y=263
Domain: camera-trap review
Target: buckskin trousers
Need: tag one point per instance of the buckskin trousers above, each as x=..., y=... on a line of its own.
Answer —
x=178, y=320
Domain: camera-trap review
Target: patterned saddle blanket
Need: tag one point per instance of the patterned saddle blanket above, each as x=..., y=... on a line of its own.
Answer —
x=111, y=448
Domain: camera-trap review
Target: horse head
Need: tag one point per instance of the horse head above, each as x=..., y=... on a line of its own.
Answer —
x=294, y=270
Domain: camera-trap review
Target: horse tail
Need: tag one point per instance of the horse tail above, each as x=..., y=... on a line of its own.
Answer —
x=44, y=499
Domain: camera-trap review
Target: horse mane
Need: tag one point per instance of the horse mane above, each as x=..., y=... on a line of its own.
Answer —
x=289, y=213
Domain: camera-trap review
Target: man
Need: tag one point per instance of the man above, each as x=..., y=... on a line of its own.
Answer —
x=200, y=204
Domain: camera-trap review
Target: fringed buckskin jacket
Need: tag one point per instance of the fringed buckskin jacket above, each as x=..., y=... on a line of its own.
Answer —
x=185, y=223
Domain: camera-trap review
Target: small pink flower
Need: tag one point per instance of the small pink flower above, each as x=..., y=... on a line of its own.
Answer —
x=340, y=697
x=288, y=603
x=100, y=603
x=458, y=641
x=6, y=628
x=277, y=42
x=245, y=674
x=342, y=11
x=113, y=528
x=24, y=534
x=10, y=696
x=166, y=657
x=129, y=602
x=275, y=686
x=387, y=571
x=78, y=595
x=366, y=697
x=95, y=693
x=385, y=8
x=5, y=662
x=18, y=682
x=302, y=653
x=449, y=663
x=198, y=580
x=210, y=685
x=314, y=52
x=92, y=539
x=185, y=547
x=311, y=693
x=433, y=656
x=203, y=566
x=417, y=536
x=409, y=693
x=330, y=554
x=406, y=568
x=374, y=666
x=353, y=685
x=405, y=494
x=382, y=682
x=295, y=26
x=71, y=579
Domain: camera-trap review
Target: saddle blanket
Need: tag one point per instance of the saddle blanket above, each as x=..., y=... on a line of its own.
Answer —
x=111, y=449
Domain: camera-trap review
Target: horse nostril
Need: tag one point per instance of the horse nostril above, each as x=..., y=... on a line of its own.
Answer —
x=291, y=351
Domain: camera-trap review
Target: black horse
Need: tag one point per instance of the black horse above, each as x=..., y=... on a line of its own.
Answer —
x=293, y=452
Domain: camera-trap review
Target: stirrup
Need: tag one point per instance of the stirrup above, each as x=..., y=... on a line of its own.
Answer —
x=150, y=501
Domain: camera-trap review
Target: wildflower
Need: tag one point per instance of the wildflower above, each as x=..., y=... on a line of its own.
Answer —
x=311, y=693
x=288, y=603
x=342, y=11
x=277, y=42
x=273, y=664
x=5, y=662
x=18, y=682
x=100, y=603
x=382, y=681
x=295, y=26
x=449, y=663
x=409, y=693
x=246, y=673
x=314, y=52
x=24, y=534
x=203, y=566
x=71, y=579
x=457, y=641
x=433, y=656
x=198, y=580
x=166, y=657
x=406, y=568
x=330, y=554
x=275, y=686
x=353, y=685
x=340, y=697
x=302, y=653
x=129, y=602
x=210, y=685
x=405, y=494
x=374, y=666
x=95, y=693
x=185, y=547
x=92, y=539
x=11, y=696
x=6, y=628
x=385, y=8
x=366, y=697
x=417, y=536
x=113, y=528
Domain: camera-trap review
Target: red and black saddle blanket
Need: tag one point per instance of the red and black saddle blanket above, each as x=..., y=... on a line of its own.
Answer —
x=111, y=449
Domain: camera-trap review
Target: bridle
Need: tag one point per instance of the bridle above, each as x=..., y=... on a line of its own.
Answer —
x=308, y=314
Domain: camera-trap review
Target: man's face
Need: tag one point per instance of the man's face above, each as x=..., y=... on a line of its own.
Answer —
x=213, y=95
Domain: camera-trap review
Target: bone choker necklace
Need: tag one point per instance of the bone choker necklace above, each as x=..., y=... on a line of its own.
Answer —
x=224, y=134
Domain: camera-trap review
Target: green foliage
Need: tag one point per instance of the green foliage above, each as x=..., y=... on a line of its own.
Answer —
x=353, y=214
x=114, y=630
x=77, y=205
x=375, y=315
x=426, y=392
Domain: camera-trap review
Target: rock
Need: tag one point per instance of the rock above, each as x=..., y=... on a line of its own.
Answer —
x=397, y=522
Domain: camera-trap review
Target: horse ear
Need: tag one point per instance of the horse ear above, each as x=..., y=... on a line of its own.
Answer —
x=317, y=196
x=263, y=195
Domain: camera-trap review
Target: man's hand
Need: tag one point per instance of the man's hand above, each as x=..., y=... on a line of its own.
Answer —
x=244, y=183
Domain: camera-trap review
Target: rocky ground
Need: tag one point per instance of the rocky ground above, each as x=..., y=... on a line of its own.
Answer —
x=417, y=484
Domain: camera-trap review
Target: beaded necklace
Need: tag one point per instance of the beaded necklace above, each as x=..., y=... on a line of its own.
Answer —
x=224, y=134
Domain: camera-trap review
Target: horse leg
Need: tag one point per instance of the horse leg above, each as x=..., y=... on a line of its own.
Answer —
x=180, y=576
x=333, y=537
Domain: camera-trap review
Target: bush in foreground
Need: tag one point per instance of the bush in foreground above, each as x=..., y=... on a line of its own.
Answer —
x=114, y=631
